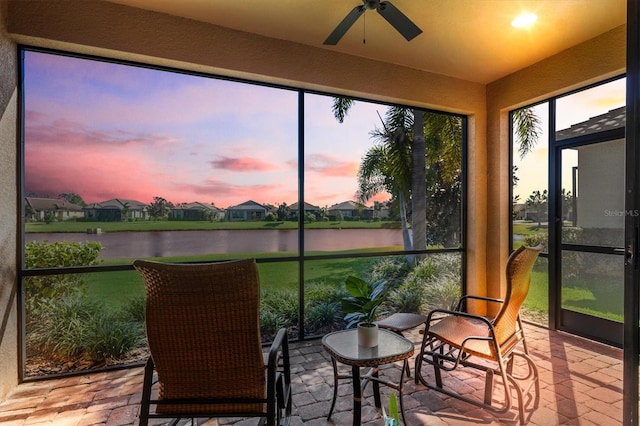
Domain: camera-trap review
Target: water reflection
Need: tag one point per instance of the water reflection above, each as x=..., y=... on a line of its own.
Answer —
x=188, y=243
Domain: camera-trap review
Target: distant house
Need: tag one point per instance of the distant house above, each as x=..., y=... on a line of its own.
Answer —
x=249, y=210
x=599, y=198
x=116, y=210
x=350, y=209
x=196, y=211
x=308, y=208
x=60, y=208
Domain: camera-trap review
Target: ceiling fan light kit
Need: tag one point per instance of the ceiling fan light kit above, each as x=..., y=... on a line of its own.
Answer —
x=388, y=11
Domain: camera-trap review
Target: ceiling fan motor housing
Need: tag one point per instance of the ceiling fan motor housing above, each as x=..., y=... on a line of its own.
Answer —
x=371, y=4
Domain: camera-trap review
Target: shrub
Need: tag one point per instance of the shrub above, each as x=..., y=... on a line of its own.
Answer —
x=316, y=292
x=406, y=298
x=41, y=254
x=74, y=328
x=393, y=269
x=283, y=303
x=323, y=317
x=134, y=309
x=443, y=292
x=108, y=337
x=436, y=281
x=270, y=323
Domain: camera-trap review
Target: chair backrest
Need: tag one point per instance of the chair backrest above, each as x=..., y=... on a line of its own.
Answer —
x=203, y=330
x=518, y=270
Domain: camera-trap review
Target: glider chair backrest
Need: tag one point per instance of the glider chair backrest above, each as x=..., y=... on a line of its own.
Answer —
x=518, y=275
x=203, y=330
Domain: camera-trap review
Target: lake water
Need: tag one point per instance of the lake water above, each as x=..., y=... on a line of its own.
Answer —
x=187, y=243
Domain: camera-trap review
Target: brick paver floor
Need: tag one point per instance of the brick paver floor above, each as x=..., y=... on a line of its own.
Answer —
x=580, y=384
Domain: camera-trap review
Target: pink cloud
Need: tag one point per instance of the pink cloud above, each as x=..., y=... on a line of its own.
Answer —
x=242, y=164
x=326, y=165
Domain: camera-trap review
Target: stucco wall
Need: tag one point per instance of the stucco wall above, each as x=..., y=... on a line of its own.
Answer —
x=8, y=311
x=590, y=62
x=601, y=185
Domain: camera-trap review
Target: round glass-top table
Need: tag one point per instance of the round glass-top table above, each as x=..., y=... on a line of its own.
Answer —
x=343, y=347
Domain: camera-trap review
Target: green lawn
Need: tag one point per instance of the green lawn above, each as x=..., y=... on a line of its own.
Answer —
x=115, y=288
x=596, y=295
x=166, y=225
x=528, y=228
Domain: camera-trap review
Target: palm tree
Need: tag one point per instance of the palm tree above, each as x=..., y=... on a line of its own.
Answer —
x=420, y=153
x=398, y=163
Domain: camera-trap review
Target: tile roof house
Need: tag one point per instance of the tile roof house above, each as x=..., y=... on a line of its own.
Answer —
x=61, y=208
x=196, y=211
x=351, y=209
x=308, y=208
x=249, y=210
x=599, y=203
x=613, y=119
x=116, y=209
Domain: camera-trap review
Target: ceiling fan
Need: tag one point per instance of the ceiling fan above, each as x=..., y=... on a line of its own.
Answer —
x=397, y=19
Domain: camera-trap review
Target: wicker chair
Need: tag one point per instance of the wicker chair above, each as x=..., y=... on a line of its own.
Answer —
x=203, y=330
x=452, y=339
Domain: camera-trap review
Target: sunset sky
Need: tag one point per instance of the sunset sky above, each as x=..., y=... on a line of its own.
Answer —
x=572, y=109
x=106, y=131
x=113, y=131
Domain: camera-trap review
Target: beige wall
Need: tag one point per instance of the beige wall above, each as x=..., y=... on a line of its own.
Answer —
x=590, y=62
x=8, y=197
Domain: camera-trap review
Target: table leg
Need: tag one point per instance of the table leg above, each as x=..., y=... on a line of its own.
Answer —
x=405, y=367
x=335, y=387
x=357, y=396
x=376, y=388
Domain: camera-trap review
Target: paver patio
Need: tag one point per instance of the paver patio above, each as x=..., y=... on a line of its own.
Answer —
x=580, y=384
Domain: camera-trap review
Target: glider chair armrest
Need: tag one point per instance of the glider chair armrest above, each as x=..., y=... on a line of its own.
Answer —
x=442, y=313
x=464, y=299
x=279, y=374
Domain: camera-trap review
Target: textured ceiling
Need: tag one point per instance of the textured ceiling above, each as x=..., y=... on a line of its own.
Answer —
x=468, y=39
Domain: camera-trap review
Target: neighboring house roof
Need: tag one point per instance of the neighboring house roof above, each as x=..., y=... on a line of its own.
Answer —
x=348, y=205
x=118, y=203
x=307, y=206
x=42, y=204
x=613, y=119
x=248, y=205
x=196, y=205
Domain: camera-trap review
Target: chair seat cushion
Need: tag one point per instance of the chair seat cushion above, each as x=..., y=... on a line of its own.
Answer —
x=454, y=330
x=401, y=321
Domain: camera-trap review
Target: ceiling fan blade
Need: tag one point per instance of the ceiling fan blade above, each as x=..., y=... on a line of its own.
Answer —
x=398, y=20
x=344, y=26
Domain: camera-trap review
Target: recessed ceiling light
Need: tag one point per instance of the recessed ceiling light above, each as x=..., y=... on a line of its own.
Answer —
x=524, y=20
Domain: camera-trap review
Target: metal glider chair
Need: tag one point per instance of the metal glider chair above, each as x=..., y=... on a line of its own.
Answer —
x=203, y=330
x=452, y=339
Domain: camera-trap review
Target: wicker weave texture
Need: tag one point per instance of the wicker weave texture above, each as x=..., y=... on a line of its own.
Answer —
x=202, y=325
x=518, y=272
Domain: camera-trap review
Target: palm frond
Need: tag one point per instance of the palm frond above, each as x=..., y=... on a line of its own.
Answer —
x=341, y=106
x=526, y=125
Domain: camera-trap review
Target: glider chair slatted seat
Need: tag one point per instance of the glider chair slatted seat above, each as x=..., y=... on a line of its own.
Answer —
x=456, y=339
x=202, y=326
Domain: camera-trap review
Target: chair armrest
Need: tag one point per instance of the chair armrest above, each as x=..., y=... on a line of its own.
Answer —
x=279, y=351
x=448, y=312
x=483, y=298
